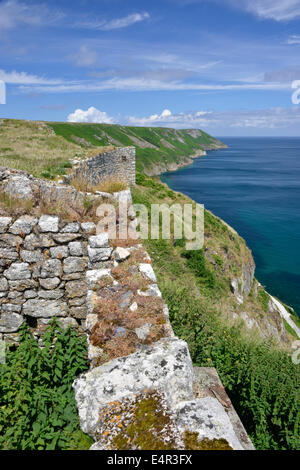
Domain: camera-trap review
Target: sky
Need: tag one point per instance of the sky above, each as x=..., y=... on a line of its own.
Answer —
x=225, y=66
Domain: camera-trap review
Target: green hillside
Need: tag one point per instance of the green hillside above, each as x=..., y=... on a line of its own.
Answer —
x=156, y=148
x=45, y=149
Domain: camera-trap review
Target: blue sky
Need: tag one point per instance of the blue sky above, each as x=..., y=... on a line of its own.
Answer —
x=226, y=66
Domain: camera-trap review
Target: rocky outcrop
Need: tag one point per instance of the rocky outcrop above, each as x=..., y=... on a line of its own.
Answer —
x=123, y=386
x=156, y=381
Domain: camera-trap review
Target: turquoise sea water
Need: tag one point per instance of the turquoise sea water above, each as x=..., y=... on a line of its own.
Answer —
x=254, y=185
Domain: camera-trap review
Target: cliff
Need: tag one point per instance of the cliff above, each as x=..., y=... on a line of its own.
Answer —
x=45, y=149
x=142, y=354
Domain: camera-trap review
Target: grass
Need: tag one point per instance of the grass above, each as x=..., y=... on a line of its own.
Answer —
x=34, y=147
x=109, y=185
x=45, y=149
x=69, y=212
x=258, y=374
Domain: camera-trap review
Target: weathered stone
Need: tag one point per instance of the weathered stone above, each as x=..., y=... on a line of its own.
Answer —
x=66, y=237
x=50, y=283
x=18, y=271
x=10, y=322
x=72, y=276
x=32, y=256
x=68, y=323
x=51, y=294
x=30, y=294
x=19, y=187
x=143, y=332
x=165, y=365
x=91, y=321
x=8, y=254
x=99, y=241
x=73, y=227
x=77, y=301
x=152, y=291
x=100, y=265
x=78, y=312
x=12, y=241
x=4, y=223
x=74, y=265
x=88, y=227
x=104, y=195
x=3, y=284
x=23, y=225
x=234, y=286
x=147, y=270
x=11, y=338
x=38, y=241
x=40, y=308
x=76, y=289
x=51, y=268
x=23, y=285
x=133, y=307
x=120, y=331
x=11, y=308
x=3, y=294
x=59, y=252
x=77, y=249
x=208, y=418
x=94, y=276
x=121, y=254
x=94, y=352
x=126, y=299
x=124, y=196
x=49, y=223
x=14, y=295
x=99, y=254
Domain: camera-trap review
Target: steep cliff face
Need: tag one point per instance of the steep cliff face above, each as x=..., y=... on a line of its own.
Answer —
x=223, y=272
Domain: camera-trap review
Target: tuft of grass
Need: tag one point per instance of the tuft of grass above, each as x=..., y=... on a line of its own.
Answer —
x=111, y=185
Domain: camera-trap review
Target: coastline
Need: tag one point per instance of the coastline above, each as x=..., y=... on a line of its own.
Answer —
x=279, y=306
x=159, y=169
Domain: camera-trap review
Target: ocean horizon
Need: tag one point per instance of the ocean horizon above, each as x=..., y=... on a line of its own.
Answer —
x=254, y=185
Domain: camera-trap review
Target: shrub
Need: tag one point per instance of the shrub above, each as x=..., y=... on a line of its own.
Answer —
x=196, y=261
x=37, y=404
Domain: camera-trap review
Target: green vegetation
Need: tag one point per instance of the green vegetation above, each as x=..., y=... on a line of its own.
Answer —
x=263, y=298
x=45, y=149
x=151, y=426
x=34, y=147
x=155, y=147
x=37, y=404
x=258, y=375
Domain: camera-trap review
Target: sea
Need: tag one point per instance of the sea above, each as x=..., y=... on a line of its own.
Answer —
x=254, y=185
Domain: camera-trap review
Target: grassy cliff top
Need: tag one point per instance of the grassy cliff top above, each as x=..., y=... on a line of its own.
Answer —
x=45, y=148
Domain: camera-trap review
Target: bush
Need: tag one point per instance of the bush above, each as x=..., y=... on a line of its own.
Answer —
x=37, y=404
x=196, y=261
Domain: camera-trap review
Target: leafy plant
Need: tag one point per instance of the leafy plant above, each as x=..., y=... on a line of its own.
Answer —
x=37, y=404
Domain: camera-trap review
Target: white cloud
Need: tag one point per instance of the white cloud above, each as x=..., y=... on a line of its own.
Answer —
x=141, y=84
x=85, y=57
x=117, y=23
x=294, y=39
x=23, y=78
x=14, y=13
x=278, y=10
x=92, y=114
x=268, y=119
x=167, y=118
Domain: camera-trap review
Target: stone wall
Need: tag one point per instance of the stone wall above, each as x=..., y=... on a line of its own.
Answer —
x=118, y=163
x=43, y=265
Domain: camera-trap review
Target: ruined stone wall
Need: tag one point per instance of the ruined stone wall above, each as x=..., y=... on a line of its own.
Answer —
x=118, y=163
x=43, y=265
